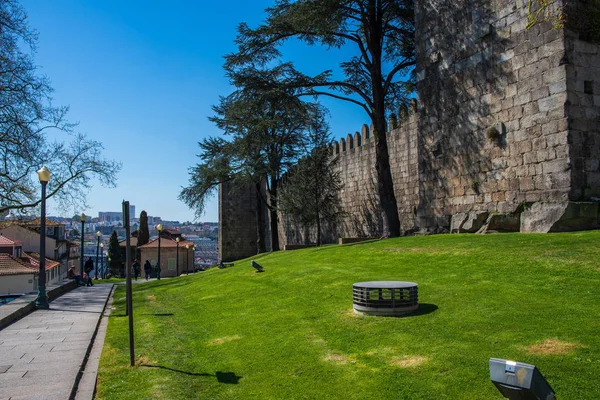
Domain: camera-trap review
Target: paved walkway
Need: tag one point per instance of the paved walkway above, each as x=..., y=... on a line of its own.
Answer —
x=42, y=355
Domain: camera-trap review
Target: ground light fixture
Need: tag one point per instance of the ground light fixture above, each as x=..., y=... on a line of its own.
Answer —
x=519, y=381
x=42, y=299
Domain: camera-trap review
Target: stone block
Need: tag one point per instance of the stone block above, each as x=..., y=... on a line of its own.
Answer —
x=457, y=221
x=544, y=217
x=501, y=222
x=474, y=222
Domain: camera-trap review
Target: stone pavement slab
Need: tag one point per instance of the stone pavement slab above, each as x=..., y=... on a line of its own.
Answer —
x=43, y=354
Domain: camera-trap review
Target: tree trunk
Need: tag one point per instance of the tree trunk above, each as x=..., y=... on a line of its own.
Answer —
x=260, y=227
x=385, y=184
x=273, y=215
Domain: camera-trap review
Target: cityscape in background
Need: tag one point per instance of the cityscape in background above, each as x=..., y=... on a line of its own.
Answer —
x=202, y=234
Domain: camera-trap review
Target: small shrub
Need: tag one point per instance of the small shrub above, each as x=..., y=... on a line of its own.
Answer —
x=493, y=134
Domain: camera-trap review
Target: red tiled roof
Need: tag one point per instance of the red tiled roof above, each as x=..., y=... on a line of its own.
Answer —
x=34, y=259
x=10, y=265
x=132, y=242
x=37, y=222
x=6, y=241
x=31, y=223
x=164, y=242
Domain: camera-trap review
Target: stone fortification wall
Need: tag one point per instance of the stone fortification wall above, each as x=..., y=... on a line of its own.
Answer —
x=505, y=134
x=493, y=126
x=358, y=198
x=237, y=221
x=582, y=64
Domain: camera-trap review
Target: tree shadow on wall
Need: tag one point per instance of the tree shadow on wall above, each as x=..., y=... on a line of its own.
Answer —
x=461, y=99
x=367, y=221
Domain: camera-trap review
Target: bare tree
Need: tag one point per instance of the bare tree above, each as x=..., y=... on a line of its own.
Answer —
x=28, y=118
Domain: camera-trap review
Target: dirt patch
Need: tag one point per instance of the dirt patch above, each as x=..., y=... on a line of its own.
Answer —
x=339, y=359
x=151, y=297
x=224, y=339
x=349, y=313
x=409, y=250
x=408, y=361
x=142, y=361
x=553, y=347
x=385, y=352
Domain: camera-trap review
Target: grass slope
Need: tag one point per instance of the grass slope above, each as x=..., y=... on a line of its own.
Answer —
x=290, y=332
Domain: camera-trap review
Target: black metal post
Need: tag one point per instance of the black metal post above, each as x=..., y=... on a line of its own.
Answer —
x=158, y=264
x=128, y=287
x=42, y=300
x=102, y=262
x=97, y=251
x=177, y=260
x=81, y=258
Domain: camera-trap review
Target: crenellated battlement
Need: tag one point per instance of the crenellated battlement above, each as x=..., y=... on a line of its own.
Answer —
x=405, y=119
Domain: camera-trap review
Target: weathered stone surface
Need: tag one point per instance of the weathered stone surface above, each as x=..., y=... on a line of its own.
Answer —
x=502, y=222
x=559, y=217
x=474, y=222
x=457, y=221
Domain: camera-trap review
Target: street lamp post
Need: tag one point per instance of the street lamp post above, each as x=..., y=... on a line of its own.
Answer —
x=159, y=229
x=82, y=228
x=187, y=259
x=177, y=260
x=102, y=260
x=42, y=300
x=99, y=234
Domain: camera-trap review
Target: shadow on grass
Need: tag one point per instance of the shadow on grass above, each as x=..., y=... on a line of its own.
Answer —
x=160, y=314
x=222, y=377
x=424, y=309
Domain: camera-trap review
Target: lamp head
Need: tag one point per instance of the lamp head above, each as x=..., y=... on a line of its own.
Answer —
x=177, y=240
x=82, y=217
x=102, y=245
x=44, y=174
x=99, y=234
x=159, y=227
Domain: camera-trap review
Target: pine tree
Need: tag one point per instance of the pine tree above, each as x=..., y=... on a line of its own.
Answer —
x=143, y=233
x=116, y=258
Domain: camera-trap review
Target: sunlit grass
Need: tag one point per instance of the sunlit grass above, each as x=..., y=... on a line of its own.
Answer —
x=290, y=332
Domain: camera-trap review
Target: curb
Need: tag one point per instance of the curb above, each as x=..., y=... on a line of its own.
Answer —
x=76, y=385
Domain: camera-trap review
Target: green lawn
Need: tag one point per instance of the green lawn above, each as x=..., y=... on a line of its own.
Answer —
x=290, y=332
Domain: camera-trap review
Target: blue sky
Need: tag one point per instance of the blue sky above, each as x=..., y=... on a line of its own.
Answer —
x=141, y=76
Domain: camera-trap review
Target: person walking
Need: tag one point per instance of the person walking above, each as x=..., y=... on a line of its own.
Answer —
x=136, y=268
x=88, y=268
x=147, y=269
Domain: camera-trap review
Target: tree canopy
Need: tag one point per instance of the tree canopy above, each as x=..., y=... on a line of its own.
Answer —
x=309, y=194
x=377, y=77
x=28, y=120
x=265, y=126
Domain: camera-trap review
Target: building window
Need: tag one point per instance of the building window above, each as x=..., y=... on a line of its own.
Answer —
x=172, y=264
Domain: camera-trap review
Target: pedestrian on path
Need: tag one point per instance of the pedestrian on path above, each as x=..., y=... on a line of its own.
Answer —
x=136, y=268
x=71, y=274
x=147, y=269
x=88, y=268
